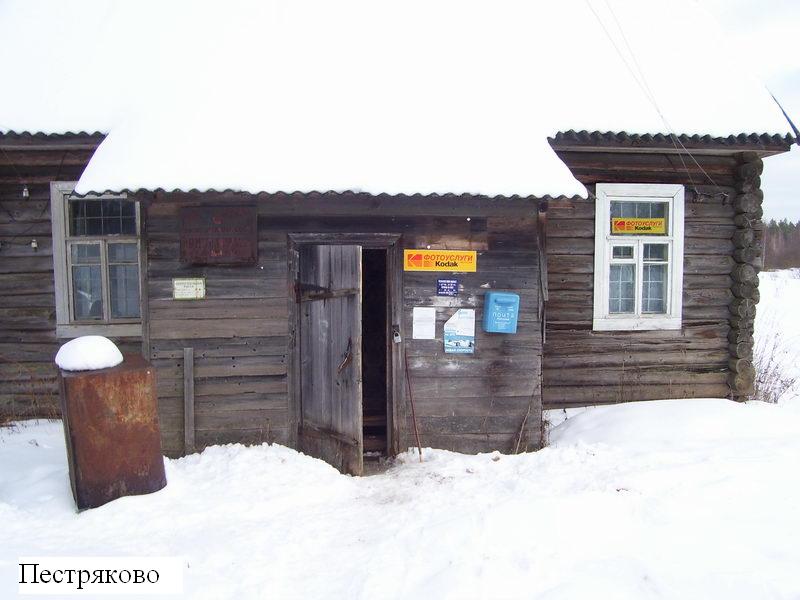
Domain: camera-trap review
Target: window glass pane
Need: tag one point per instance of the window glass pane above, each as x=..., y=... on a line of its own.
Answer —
x=112, y=212
x=85, y=254
x=621, y=289
x=654, y=288
x=102, y=217
x=124, y=281
x=639, y=218
x=122, y=253
x=622, y=252
x=85, y=217
x=622, y=209
x=87, y=291
x=641, y=210
x=655, y=252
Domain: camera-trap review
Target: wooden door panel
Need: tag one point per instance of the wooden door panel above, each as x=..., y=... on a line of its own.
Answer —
x=328, y=294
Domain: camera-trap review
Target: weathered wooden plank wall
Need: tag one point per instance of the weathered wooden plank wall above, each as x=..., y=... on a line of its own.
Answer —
x=240, y=332
x=472, y=403
x=582, y=366
x=28, y=342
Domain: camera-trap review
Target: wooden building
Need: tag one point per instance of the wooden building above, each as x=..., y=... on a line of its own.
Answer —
x=467, y=272
x=287, y=317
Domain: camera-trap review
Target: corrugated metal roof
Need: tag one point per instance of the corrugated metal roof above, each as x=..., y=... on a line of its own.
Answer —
x=31, y=141
x=594, y=137
x=40, y=135
x=740, y=142
x=334, y=195
x=764, y=144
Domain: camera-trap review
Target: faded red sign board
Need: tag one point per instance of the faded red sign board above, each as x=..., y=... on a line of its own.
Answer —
x=219, y=235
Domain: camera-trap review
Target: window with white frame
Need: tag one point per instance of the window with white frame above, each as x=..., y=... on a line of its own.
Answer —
x=96, y=256
x=638, y=266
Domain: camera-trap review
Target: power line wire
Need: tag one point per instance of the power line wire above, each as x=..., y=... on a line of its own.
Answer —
x=641, y=81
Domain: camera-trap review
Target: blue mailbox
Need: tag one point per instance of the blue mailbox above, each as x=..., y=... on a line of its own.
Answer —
x=500, y=312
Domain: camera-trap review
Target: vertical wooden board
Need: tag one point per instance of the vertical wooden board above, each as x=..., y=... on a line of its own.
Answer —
x=329, y=333
x=188, y=400
x=346, y=337
x=331, y=259
x=396, y=384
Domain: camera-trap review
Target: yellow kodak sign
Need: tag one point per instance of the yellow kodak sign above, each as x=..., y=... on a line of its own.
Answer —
x=440, y=260
x=639, y=226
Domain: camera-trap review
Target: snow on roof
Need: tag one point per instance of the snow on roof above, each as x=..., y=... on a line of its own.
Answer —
x=418, y=96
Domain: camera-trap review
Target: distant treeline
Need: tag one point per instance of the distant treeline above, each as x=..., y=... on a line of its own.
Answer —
x=782, y=244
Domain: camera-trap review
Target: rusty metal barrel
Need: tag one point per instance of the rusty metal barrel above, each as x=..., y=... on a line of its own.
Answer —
x=111, y=427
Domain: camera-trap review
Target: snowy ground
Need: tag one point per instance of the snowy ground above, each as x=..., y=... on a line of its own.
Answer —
x=674, y=499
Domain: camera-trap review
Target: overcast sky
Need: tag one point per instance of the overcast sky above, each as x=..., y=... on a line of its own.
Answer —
x=769, y=32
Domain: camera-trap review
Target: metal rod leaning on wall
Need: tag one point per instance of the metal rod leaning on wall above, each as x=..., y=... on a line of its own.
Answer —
x=411, y=399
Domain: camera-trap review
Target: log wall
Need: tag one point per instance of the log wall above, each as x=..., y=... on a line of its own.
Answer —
x=239, y=333
x=28, y=342
x=748, y=238
x=584, y=367
x=463, y=403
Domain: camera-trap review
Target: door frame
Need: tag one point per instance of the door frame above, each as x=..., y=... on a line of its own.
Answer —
x=395, y=374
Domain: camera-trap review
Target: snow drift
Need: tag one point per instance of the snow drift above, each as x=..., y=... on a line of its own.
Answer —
x=690, y=499
x=675, y=499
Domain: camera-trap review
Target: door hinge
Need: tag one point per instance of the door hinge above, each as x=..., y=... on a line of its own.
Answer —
x=307, y=292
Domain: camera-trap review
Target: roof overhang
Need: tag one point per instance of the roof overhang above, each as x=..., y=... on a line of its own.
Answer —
x=608, y=141
x=50, y=141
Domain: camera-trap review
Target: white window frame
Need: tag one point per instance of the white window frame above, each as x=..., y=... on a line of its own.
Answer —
x=605, y=193
x=66, y=326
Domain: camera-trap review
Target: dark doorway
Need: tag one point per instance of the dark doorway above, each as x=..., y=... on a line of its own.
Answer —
x=374, y=332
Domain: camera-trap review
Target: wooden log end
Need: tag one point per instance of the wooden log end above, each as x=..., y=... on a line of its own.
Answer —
x=742, y=366
x=744, y=273
x=743, y=237
x=742, y=324
x=752, y=166
x=746, y=221
x=742, y=350
x=743, y=308
x=746, y=290
x=739, y=336
x=749, y=185
x=750, y=256
x=749, y=202
x=741, y=386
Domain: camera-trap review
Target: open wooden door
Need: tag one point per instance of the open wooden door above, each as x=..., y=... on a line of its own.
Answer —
x=329, y=340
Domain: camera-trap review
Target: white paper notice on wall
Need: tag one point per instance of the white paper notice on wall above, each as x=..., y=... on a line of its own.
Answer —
x=424, y=323
x=188, y=288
